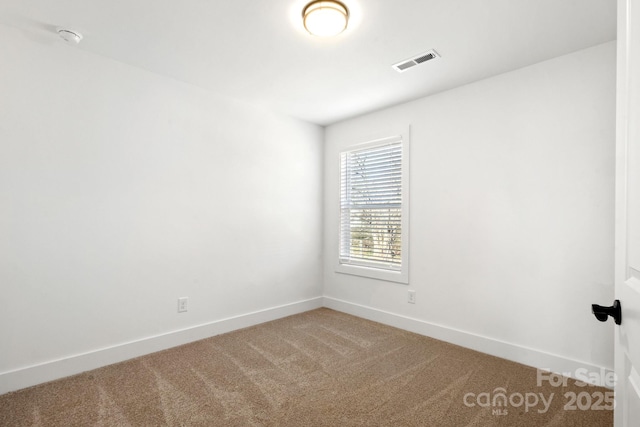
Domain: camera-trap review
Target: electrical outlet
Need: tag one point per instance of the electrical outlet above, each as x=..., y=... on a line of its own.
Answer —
x=182, y=304
x=412, y=297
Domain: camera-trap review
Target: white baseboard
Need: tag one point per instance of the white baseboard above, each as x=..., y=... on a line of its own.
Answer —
x=527, y=356
x=52, y=370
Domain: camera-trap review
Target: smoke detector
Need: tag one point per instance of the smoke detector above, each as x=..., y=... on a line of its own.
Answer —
x=403, y=66
x=70, y=36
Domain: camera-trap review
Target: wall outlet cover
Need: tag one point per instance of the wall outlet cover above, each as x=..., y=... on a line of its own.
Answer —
x=183, y=304
x=412, y=297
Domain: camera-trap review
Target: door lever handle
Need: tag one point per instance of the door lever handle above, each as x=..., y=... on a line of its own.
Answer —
x=603, y=313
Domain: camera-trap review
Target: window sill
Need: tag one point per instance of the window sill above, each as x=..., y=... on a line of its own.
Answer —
x=400, y=276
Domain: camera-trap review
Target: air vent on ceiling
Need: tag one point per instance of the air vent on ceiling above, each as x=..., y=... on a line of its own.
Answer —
x=416, y=60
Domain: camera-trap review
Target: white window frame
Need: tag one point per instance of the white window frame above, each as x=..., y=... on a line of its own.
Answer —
x=398, y=275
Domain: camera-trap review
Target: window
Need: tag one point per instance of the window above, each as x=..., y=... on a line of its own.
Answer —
x=374, y=210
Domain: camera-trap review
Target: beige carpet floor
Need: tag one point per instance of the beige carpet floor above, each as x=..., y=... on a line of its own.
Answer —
x=320, y=368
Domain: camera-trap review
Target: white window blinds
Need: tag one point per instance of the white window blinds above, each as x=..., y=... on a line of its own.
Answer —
x=371, y=206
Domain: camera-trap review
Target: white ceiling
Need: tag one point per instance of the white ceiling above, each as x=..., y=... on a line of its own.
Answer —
x=257, y=50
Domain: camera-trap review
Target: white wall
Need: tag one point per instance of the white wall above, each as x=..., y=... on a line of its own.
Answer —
x=122, y=190
x=512, y=190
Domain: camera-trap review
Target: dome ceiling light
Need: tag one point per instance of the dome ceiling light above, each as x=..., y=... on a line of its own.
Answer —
x=325, y=18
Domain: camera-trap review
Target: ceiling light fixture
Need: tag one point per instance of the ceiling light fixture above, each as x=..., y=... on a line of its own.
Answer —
x=325, y=18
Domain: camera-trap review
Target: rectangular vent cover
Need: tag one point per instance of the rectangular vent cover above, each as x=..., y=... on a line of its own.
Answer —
x=416, y=60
